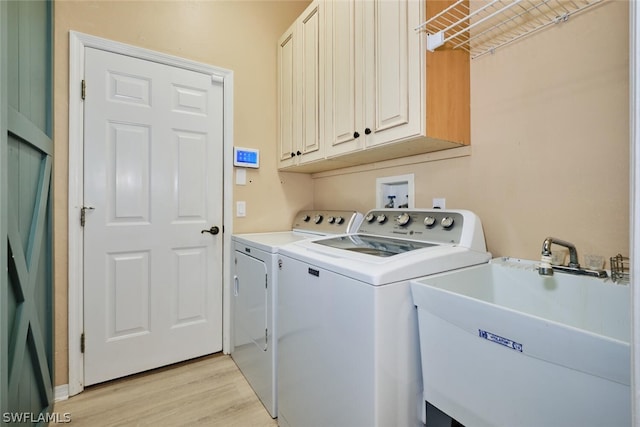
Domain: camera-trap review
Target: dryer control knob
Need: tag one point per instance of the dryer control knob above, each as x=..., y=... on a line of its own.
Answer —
x=339, y=220
x=403, y=219
x=382, y=218
x=317, y=219
x=370, y=217
x=429, y=221
x=447, y=222
x=331, y=220
x=306, y=218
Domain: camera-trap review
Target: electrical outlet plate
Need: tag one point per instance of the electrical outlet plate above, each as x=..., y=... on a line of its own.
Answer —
x=439, y=203
x=241, y=209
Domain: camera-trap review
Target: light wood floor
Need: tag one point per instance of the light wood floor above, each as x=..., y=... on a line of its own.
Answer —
x=209, y=391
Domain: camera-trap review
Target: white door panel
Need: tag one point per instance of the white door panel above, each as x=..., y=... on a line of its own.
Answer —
x=251, y=300
x=153, y=174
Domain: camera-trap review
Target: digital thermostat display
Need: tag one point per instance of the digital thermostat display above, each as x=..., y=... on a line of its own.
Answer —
x=246, y=157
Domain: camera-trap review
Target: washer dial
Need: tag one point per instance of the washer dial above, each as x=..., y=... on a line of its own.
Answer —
x=382, y=218
x=403, y=219
x=429, y=221
x=317, y=219
x=447, y=222
x=370, y=217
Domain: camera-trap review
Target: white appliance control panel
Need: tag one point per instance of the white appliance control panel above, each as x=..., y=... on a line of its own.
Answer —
x=431, y=225
x=327, y=221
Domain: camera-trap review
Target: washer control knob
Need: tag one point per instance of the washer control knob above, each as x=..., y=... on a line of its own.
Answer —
x=429, y=221
x=339, y=220
x=306, y=218
x=317, y=219
x=370, y=217
x=447, y=222
x=331, y=220
x=382, y=218
x=403, y=219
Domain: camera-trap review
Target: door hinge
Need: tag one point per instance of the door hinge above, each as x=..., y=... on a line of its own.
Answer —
x=83, y=91
x=83, y=214
x=266, y=337
x=82, y=343
x=266, y=281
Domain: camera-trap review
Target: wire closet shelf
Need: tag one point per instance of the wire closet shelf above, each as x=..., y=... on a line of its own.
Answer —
x=482, y=26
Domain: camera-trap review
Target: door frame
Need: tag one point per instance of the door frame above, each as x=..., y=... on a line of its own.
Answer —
x=77, y=44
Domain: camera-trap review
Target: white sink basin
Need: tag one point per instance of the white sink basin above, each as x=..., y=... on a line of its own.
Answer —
x=504, y=346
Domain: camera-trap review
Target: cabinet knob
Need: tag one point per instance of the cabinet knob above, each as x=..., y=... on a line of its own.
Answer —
x=356, y=134
x=367, y=131
x=293, y=154
x=298, y=153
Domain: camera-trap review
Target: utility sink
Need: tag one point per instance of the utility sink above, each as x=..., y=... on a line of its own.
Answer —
x=503, y=346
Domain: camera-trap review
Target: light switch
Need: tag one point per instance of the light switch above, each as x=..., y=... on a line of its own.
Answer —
x=241, y=176
x=241, y=209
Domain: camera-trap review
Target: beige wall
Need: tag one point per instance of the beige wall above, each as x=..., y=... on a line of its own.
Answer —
x=550, y=138
x=237, y=35
x=549, y=141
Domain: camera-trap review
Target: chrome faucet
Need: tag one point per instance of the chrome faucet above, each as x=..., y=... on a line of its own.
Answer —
x=545, y=268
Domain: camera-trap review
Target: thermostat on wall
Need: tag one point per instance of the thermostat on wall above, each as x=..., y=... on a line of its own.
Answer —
x=246, y=157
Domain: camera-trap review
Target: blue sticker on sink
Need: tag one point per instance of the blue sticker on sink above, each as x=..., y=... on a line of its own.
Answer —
x=500, y=340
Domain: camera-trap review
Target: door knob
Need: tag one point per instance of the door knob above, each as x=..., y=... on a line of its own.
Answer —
x=213, y=230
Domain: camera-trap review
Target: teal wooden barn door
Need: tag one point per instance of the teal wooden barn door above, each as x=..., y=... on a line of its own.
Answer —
x=26, y=304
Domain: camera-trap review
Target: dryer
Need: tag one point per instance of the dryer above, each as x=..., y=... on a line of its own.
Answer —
x=255, y=290
x=348, y=348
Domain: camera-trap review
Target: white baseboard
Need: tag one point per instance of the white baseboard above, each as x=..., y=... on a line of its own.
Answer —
x=61, y=392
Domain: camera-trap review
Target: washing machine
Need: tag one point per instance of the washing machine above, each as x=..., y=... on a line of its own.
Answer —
x=348, y=347
x=255, y=290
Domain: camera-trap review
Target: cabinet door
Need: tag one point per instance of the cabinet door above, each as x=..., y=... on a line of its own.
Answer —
x=394, y=93
x=286, y=97
x=343, y=77
x=308, y=75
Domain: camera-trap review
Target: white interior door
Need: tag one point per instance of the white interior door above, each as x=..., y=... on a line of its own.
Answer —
x=153, y=176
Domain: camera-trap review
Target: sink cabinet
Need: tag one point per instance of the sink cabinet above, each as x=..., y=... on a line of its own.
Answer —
x=380, y=95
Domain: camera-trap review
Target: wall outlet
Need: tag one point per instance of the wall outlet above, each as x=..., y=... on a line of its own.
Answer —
x=439, y=203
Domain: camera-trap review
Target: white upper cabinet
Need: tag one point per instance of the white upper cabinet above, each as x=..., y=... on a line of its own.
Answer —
x=394, y=96
x=286, y=91
x=373, y=80
x=344, y=81
x=375, y=100
x=299, y=90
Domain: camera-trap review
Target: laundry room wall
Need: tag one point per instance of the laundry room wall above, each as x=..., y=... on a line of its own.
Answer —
x=549, y=144
x=237, y=35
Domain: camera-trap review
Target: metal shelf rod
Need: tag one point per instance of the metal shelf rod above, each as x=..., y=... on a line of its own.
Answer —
x=435, y=17
x=482, y=20
x=497, y=23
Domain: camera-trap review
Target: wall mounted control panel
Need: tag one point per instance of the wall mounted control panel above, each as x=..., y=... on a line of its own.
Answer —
x=246, y=157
